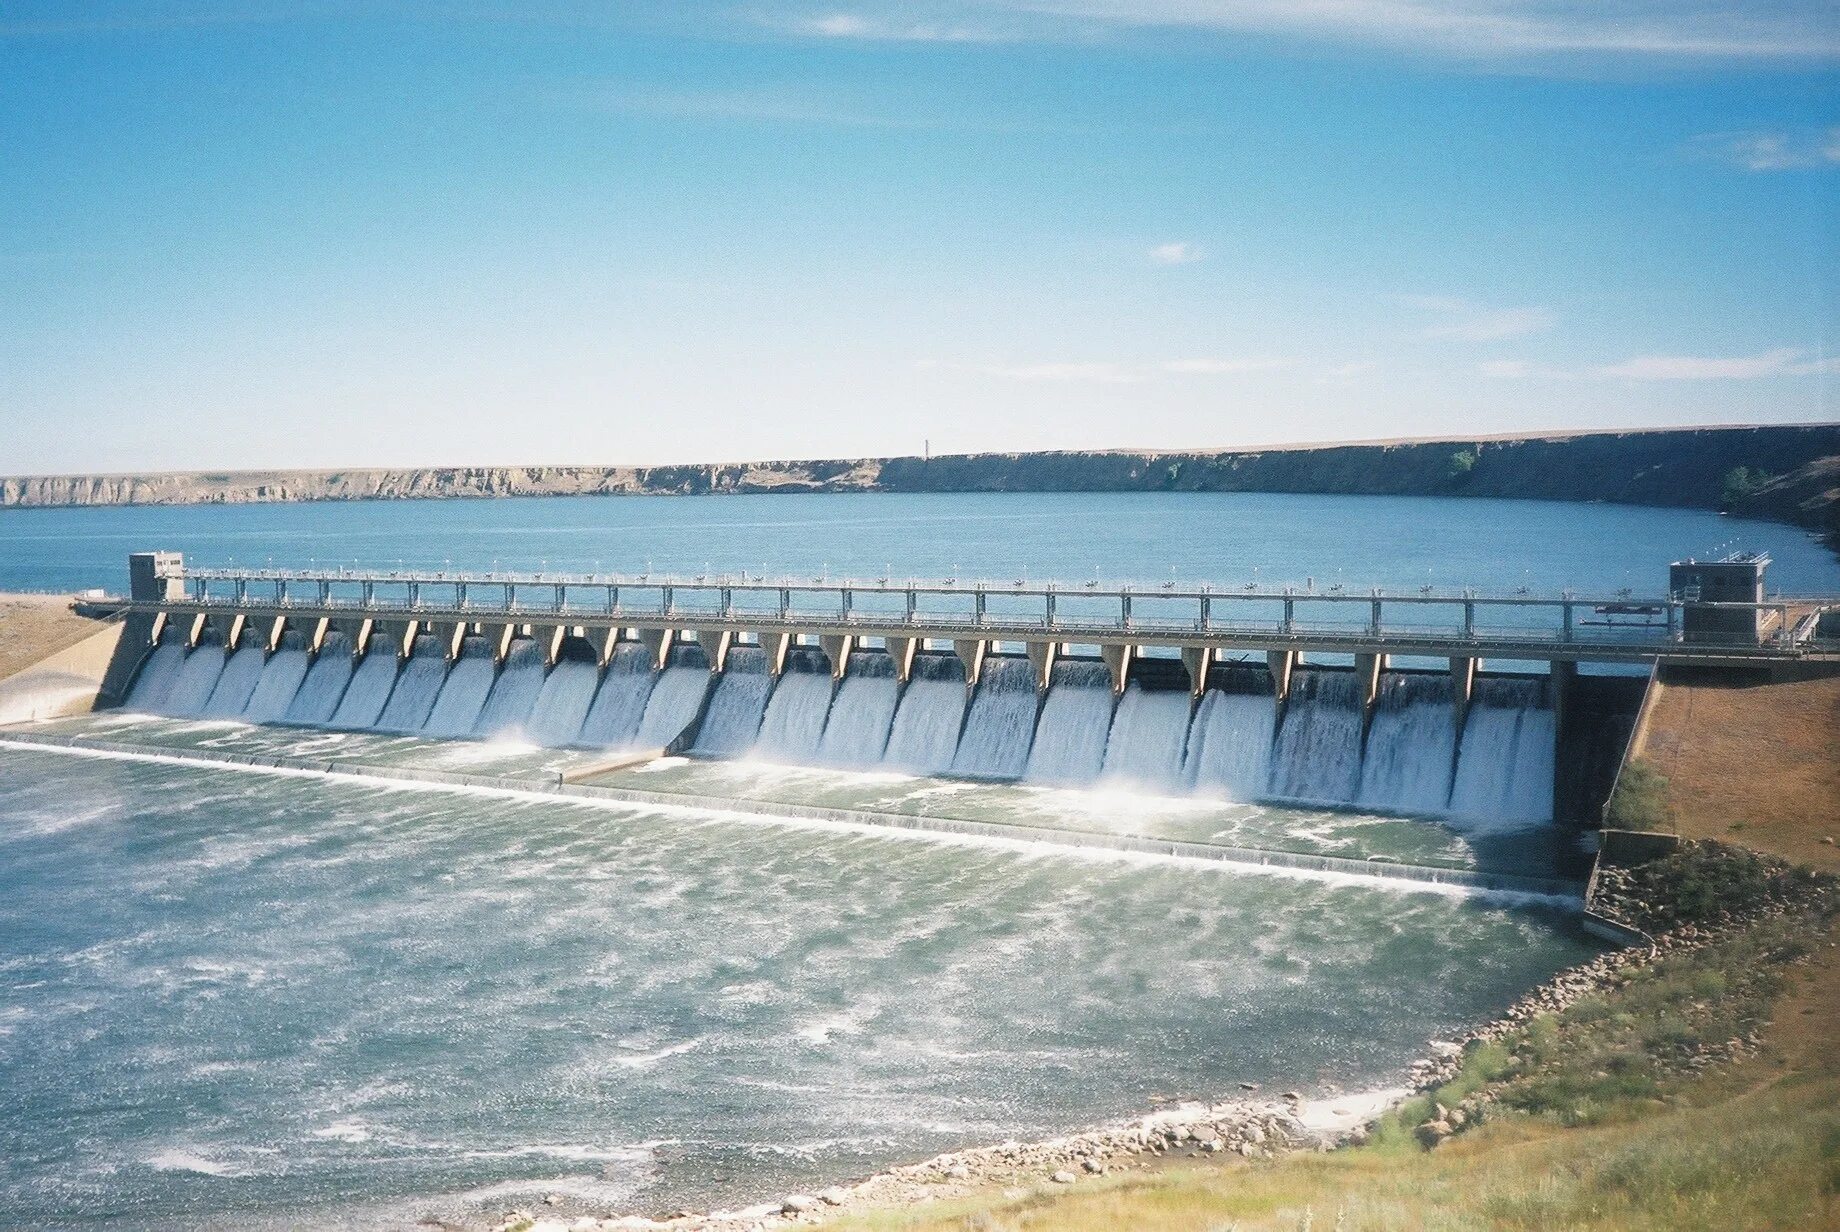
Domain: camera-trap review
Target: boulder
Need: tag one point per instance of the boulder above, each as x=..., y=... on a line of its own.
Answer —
x=1063, y=1177
x=1431, y=1133
x=799, y=1204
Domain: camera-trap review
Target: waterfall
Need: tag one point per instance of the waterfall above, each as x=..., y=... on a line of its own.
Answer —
x=197, y=678
x=154, y=685
x=1229, y=746
x=924, y=734
x=369, y=690
x=862, y=714
x=1076, y=721
x=463, y=693
x=619, y=704
x=281, y=677
x=514, y=693
x=1000, y=725
x=324, y=684
x=1505, y=761
x=794, y=720
x=675, y=699
x=417, y=686
x=1318, y=751
x=237, y=681
x=1410, y=745
x=733, y=718
x=563, y=704
x=1149, y=736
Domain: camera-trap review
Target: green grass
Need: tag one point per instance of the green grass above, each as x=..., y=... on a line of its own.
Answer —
x=1640, y=801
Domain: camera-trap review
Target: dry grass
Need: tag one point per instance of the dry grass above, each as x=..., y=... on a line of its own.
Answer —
x=34, y=626
x=1753, y=764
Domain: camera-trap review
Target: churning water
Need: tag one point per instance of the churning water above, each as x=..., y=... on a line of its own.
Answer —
x=1000, y=724
x=240, y=1000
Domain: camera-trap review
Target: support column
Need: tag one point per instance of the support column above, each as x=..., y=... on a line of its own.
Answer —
x=1117, y=659
x=971, y=652
x=603, y=640
x=901, y=650
x=276, y=629
x=1282, y=664
x=775, y=646
x=1463, y=688
x=196, y=630
x=550, y=637
x=836, y=647
x=450, y=636
x=715, y=644
x=158, y=627
x=234, y=633
x=499, y=637
x=321, y=627
x=1564, y=677
x=659, y=643
x=1367, y=669
x=1199, y=660
x=404, y=631
x=1041, y=658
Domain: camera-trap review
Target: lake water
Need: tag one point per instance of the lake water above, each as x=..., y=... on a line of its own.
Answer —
x=240, y=999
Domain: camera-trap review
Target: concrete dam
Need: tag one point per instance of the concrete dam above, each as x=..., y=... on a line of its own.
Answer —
x=1319, y=697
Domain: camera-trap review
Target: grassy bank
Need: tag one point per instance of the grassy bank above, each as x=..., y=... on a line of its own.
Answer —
x=1700, y=1092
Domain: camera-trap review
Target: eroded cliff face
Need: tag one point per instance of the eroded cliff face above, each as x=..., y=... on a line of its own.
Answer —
x=1684, y=467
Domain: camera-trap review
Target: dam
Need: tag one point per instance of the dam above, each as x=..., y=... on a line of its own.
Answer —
x=1377, y=701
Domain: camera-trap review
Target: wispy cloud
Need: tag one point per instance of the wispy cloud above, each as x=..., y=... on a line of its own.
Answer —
x=1749, y=29
x=1471, y=322
x=1767, y=150
x=1112, y=372
x=1178, y=252
x=1778, y=362
x=765, y=104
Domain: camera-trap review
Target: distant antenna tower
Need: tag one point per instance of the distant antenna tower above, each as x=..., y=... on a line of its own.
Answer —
x=926, y=450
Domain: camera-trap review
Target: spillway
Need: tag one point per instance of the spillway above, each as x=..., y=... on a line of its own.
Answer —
x=1000, y=725
x=197, y=678
x=371, y=683
x=324, y=684
x=417, y=687
x=1505, y=761
x=463, y=693
x=793, y=724
x=1317, y=755
x=856, y=733
x=1229, y=744
x=675, y=699
x=242, y=670
x=619, y=704
x=154, y=685
x=568, y=691
x=1411, y=745
x=281, y=679
x=514, y=693
x=1076, y=721
x=924, y=734
x=1149, y=736
x=740, y=698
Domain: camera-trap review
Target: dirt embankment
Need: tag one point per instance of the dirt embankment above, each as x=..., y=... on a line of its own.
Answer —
x=34, y=627
x=1785, y=472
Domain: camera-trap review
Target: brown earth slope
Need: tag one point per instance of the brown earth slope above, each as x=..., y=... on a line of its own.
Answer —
x=33, y=627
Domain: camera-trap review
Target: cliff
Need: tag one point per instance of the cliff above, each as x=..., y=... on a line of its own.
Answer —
x=1789, y=473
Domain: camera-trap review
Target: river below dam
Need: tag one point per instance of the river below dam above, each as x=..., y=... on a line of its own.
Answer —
x=252, y=998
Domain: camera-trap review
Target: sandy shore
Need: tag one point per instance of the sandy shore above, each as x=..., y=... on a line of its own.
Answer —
x=35, y=626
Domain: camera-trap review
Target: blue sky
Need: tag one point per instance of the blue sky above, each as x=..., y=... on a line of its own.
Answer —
x=241, y=234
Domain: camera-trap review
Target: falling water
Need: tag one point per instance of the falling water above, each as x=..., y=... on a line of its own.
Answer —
x=1148, y=738
x=794, y=720
x=1076, y=720
x=924, y=734
x=619, y=704
x=463, y=693
x=1505, y=762
x=325, y=682
x=197, y=678
x=369, y=690
x=1318, y=750
x=676, y=699
x=563, y=704
x=514, y=693
x=1000, y=725
x=861, y=717
x=733, y=718
x=281, y=678
x=417, y=686
x=1229, y=746
x=1410, y=745
x=154, y=686
x=238, y=680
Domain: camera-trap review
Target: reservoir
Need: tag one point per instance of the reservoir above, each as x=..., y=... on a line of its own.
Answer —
x=234, y=997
